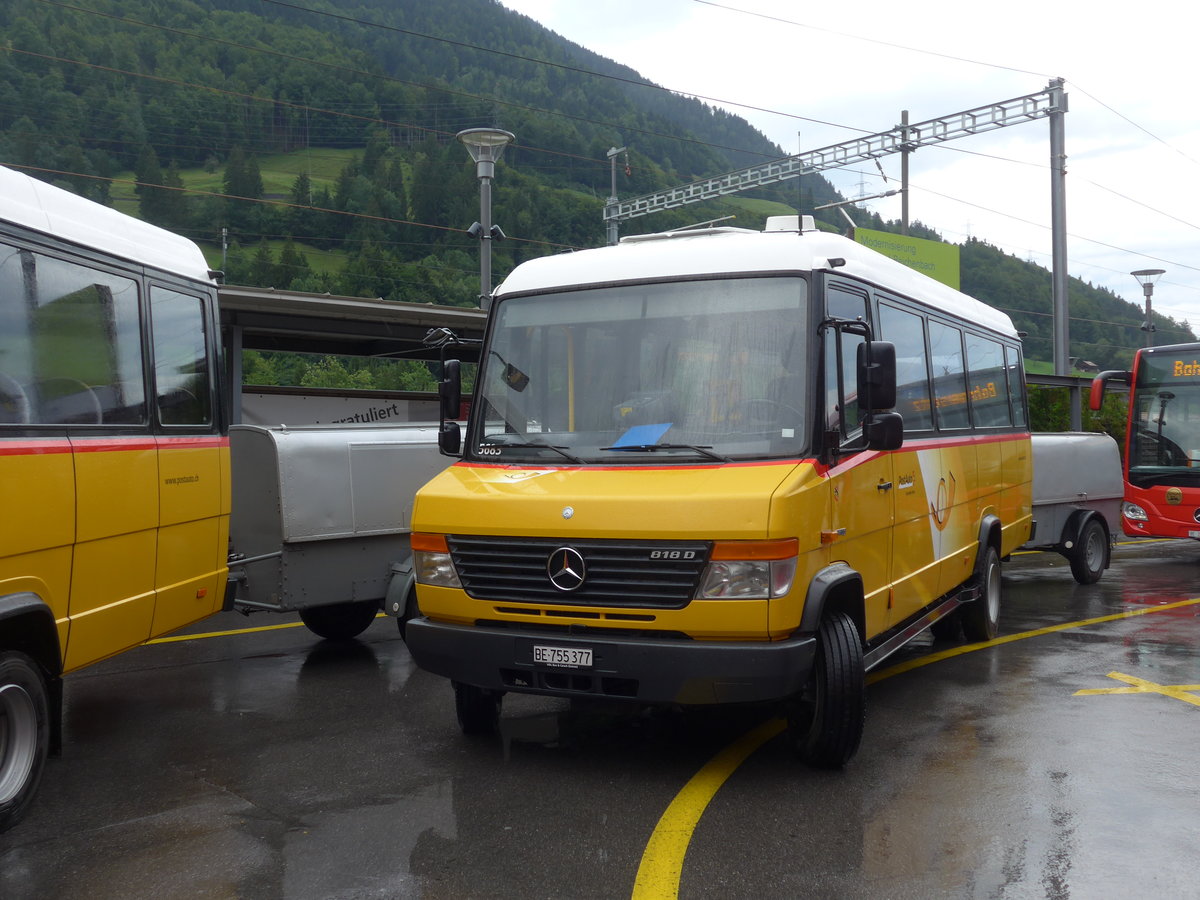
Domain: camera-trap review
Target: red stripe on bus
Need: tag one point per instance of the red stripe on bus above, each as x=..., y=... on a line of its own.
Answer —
x=112, y=444
x=859, y=457
x=34, y=448
x=208, y=441
x=613, y=467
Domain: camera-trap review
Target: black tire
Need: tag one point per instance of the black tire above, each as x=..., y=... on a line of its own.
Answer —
x=1089, y=556
x=826, y=721
x=411, y=611
x=24, y=734
x=340, y=622
x=478, y=709
x=981, y=617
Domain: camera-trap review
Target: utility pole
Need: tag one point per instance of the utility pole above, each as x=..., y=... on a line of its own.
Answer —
x=905, y=149
x=1058, y=224
x=612, y=197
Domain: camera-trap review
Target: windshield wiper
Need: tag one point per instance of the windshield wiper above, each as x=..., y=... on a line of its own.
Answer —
x=541, y=445
x=649, y=448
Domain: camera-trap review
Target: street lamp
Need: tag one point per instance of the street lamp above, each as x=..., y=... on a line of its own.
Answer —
x=1146, y=278
x=485, y=146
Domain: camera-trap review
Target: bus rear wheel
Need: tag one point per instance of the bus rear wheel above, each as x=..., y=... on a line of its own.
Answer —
x=341, y=621
x=24, y=734
x=825, y=723
x=981, y=617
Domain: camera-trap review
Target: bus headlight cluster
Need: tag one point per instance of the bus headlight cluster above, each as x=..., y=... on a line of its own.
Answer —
x=749, y=570
x=432, y=564
x=1133, y=512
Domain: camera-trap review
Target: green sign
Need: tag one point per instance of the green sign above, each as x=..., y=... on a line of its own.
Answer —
x=932, y=258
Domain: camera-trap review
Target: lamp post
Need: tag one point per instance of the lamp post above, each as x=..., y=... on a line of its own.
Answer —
x=485, y=146
x=1146, y=278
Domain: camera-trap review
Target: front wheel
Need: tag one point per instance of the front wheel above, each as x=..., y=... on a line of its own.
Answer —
x=411, y=611
x=24, y=734
x=478, y=708
x=826, y=721
x=1089, y=556
x=981, y=617
x=341, y=621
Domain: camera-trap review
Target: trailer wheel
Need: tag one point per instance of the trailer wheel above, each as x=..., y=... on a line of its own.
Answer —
x=825, y=722
x=1089, y=556
x=981, y=617
x=341, y=621
x=24, y=734
x=478, y=708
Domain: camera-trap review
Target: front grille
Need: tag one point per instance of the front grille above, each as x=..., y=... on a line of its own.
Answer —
x=619, y=573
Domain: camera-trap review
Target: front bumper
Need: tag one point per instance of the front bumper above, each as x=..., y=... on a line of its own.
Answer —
x=633, y=668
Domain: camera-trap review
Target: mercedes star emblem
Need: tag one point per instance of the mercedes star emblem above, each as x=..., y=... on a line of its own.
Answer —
x=566, y=569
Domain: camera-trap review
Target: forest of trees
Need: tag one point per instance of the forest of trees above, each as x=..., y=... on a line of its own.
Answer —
x=309, y=150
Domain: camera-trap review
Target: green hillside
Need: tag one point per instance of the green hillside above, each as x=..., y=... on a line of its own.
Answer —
x=317, y=145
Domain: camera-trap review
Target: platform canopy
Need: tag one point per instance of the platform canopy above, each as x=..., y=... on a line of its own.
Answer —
x=267, y=319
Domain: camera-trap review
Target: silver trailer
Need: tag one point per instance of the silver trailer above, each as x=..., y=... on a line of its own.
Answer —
x=320, y=520
x=1077, y=493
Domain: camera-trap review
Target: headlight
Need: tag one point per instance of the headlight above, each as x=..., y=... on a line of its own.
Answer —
x=749, y=570
x=1133, y=512
x=432, y=564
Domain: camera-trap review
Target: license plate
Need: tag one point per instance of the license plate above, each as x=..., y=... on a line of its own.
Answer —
x=1194, y=534
x=565, y=657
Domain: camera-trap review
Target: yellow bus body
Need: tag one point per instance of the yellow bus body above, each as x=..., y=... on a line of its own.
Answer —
x=936, y=532
x=120, y=549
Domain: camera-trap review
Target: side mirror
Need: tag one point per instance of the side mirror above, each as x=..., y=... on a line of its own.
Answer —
x=450, y=439
x=1100, y=382
x=877, y=374
x=884, y=431
x=450, y=388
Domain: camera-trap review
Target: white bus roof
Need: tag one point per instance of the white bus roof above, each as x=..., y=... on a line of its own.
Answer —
x=734, y=251
x=50, y=210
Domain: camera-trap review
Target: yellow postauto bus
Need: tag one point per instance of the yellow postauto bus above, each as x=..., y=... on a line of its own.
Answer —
x=721, y=466
x=114, y=455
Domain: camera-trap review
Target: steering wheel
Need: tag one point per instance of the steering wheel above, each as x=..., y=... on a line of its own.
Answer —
x=14, y=403
x=767, y=405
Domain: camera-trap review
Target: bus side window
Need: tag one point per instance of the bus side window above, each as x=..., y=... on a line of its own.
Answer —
x=14, y=365
x=181, y=370
x=841, y=363
x=1016, y=384
x=71, y=348
x=907, y=331
x=949, y=376
x=989, y=392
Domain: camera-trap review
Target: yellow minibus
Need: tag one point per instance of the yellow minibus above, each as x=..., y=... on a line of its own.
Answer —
x=720, y=466
x=114, y=454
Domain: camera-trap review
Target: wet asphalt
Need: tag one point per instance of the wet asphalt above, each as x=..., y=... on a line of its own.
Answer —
x=1060, y=762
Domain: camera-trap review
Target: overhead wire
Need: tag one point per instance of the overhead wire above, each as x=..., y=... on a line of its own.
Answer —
x=630, y=81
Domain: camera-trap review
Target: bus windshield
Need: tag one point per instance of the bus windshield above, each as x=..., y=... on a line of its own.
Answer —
x=1164, y=437
x=675, y=372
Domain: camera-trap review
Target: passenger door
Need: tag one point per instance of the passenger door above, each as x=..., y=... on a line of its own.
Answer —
x=916, y=554
x=193, y=462
x=861, y=481
x=86, y=382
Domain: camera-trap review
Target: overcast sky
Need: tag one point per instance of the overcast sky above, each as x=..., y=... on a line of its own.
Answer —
x=1132, y=130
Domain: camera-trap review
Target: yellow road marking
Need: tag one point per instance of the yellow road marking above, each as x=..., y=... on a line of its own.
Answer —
x=1141, y=686
x=662, y=861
